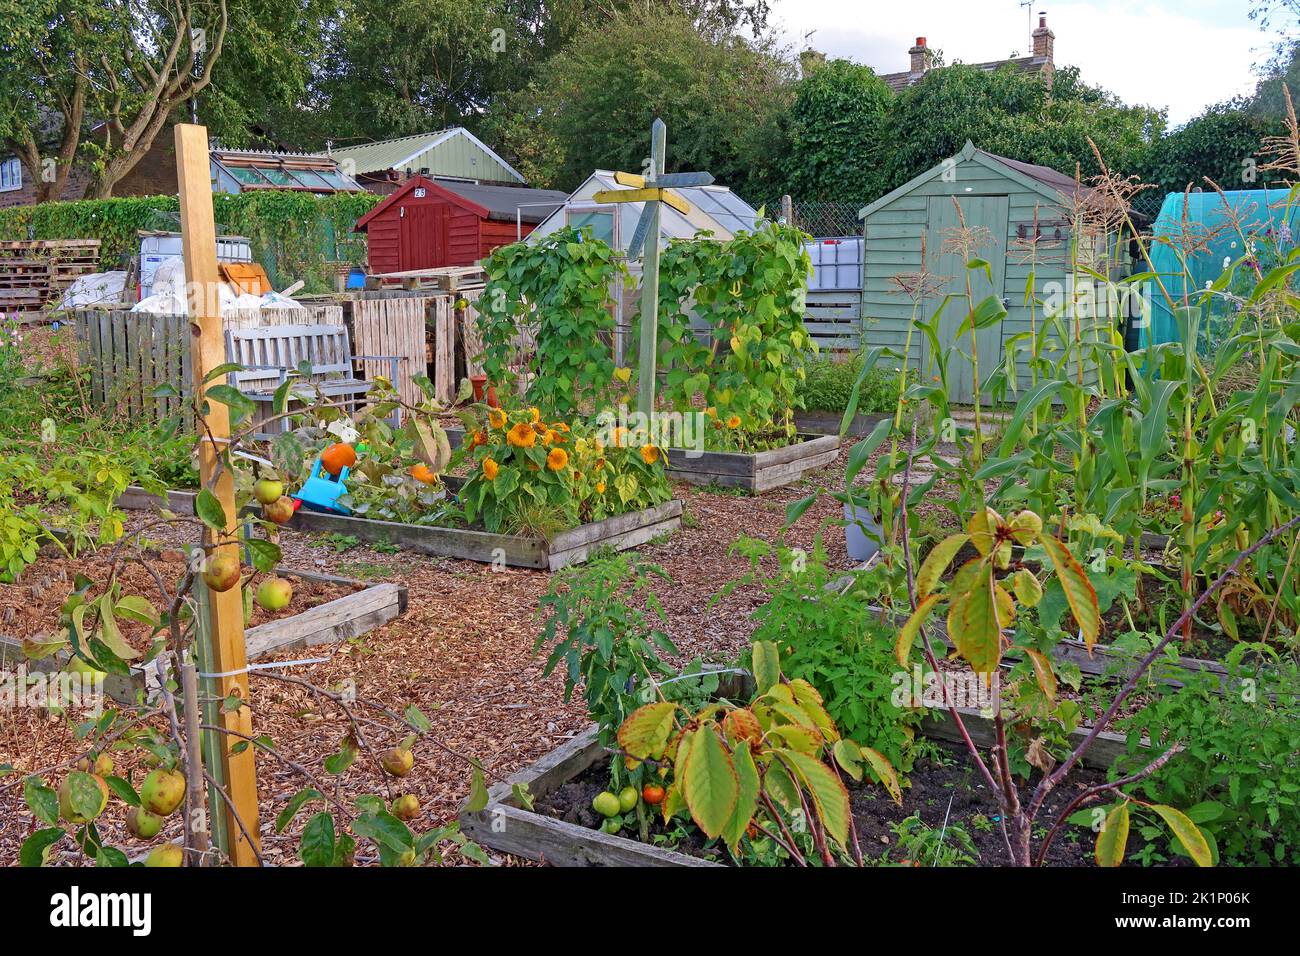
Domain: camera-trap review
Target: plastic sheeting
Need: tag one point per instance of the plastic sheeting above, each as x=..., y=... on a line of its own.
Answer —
x=169, y=294
x=1203, y=222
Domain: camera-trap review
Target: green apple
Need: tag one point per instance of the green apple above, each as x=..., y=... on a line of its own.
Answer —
x=398, y=761
x=274, y=594
x=143, y=824
x=221, y=570
x=169, y=854
x=406, y=807
x=162, y=791
x=268, y=490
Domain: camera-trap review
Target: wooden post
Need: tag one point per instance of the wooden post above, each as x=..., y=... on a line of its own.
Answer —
x=650, y=283
x=226, y=621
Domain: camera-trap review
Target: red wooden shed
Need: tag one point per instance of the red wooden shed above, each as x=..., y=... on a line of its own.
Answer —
x=427, y=224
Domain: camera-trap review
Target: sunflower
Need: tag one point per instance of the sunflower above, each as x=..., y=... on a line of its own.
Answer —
x=557, y=459
x=711, y=412
x=536, y=413
x=600, y=464
x=649, y=454
x=478, y=438
x=600, y=487
x=553, y=437
x=562, y=426
x=522, y=436
x=733, y=421
x=496, y=418
x=490, y=469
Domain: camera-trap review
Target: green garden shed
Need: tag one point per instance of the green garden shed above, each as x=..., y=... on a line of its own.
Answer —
x=1028, y=218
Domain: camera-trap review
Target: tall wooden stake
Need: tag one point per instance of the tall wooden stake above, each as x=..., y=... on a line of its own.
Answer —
x=646, y=369
x=226, y=621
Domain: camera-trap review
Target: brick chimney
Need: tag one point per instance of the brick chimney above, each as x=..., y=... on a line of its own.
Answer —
x=1044, y=39
x=920, y=56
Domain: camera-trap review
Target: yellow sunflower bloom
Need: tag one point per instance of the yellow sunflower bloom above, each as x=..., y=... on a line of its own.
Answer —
x=600, y=487
x=496, y=418
x=552, y=437
x=557, y=459
x=600, y=464
x=536, y=413
x=522, y=436
x=711, y=412
x=733, y=421
x=490, y=469
x=562, y=426
x=649, y=454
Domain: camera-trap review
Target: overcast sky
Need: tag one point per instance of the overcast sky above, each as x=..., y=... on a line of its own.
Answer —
x=1179, y=54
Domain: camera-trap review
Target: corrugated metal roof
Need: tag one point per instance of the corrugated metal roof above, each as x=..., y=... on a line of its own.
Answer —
x=505, y=202
x=387, y=153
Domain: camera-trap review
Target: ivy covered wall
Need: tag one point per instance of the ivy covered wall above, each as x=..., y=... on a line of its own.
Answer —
x=293, y=234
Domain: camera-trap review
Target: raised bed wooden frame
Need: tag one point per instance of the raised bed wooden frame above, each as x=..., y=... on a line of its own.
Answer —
x=758, y=472
x=504, y=825
x=341, y=619
x=560, y=550
x=755, y=473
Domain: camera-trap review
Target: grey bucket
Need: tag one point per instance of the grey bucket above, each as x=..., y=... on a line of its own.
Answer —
x=863, y=533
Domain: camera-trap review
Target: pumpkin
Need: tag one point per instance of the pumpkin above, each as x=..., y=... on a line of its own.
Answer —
x=337, y=457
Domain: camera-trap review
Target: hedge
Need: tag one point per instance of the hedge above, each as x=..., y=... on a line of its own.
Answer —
x=293, y=233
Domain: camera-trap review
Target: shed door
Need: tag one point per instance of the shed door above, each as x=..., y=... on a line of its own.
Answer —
x=988, y=215
x=423, y=234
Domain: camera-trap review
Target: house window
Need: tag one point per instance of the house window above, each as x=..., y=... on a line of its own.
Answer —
x=11, y=174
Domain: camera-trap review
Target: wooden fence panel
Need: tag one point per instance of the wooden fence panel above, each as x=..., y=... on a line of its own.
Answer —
x=393, y=327
x=130, y=354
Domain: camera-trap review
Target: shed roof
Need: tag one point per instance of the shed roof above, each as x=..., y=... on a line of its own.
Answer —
x=504, y=203
x=507, y=202
x=1044, y=180
x=397, y=153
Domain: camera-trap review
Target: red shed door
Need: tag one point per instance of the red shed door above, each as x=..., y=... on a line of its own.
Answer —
x=423, y=234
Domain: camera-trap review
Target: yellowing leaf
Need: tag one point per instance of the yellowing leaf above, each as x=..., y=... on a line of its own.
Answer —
x=830, y=798
x=646, y=731
x=767, y=666
x=979, y=638
x=710, y=783
x=747, y=802
x=1188, y=833
x=907, y=634
x=1028, y=591
x=983, y=528
x=1113, y=837
x=1042, y=672
x=807, y=697
x=803, y=739
x=885, y=771
x=936, y=562
x=1079, y=591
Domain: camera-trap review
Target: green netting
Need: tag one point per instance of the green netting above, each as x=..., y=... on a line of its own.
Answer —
x=1207, y=228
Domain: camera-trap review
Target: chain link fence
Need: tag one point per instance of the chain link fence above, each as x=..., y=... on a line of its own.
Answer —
x=832, y=219
x=823, y=219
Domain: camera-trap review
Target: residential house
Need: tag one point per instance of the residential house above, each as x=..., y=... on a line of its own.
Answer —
x=1041, y=60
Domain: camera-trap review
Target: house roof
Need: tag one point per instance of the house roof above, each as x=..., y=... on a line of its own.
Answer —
x=401, y=152
x=506, y=203
x=1023, y=64
x=1043, y=180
